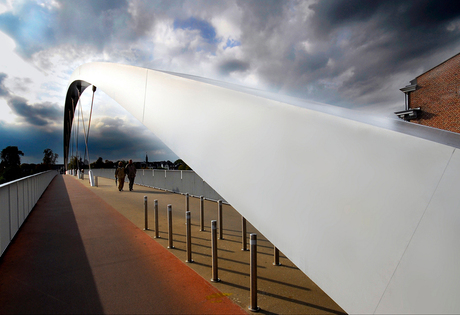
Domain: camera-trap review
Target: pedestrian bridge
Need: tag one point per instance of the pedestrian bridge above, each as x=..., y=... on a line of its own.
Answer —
x=367, y=208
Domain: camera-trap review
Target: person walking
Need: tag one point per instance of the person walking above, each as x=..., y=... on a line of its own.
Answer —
x=131, y=172
x=120, y=175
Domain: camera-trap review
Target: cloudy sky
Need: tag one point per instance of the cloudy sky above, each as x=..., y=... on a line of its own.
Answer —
x=354, y=54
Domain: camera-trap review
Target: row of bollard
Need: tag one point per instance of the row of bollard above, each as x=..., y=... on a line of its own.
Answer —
x=214, y=224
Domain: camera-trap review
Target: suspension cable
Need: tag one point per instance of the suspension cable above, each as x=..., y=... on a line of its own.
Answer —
x=70, y=140
x=84, y=132
x=91, y=112
x=78, y=125
x=89, y=125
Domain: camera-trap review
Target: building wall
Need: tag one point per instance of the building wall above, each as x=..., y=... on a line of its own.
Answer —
x=438, y=95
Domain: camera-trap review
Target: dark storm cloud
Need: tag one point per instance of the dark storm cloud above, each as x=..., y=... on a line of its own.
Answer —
x=113, y=139
x=31, y=140
x=386, y=36
x=346, y=53
x=3, y=90
x=391, y=15
x=39, y=115
x=234, y=65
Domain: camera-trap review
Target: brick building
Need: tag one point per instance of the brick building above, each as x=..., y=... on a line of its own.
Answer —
x=433, y=98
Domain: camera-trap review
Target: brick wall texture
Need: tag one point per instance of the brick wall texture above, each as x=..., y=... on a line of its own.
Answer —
x=438, y=95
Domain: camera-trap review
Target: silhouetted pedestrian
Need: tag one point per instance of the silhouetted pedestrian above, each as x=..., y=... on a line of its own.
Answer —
x=131, y=172
x=120, y=175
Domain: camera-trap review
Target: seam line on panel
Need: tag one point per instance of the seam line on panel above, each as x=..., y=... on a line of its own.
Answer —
x=415, y=231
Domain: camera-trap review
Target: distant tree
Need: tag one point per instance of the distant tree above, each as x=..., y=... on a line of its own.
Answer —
x=109, y=164
x=98, y=164
x=11, y=156
x=10, y=164
x=181, y=165
x=49, y=158
x=29, y=169
x=73, y=163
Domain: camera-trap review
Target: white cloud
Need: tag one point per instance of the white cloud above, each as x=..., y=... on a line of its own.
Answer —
x=6, y=6
x=227, y=28
x=11, y=63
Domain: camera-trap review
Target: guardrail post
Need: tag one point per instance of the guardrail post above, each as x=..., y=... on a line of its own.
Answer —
x=220, y=220
x=155, y=215
x=253, y=274
x=276, y=256
x=146, y=213
x=189, y=238
x=215, y=277
x=187, y=204
x=201, y=213
x=244, y=240
x=170, y=228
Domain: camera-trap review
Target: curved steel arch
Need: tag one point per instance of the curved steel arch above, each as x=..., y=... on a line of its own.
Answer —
x=368, y=213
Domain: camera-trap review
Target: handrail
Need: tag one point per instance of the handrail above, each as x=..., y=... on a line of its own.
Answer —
x=17, y=199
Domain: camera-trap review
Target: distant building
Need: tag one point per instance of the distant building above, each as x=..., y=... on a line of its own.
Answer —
x=433, y=98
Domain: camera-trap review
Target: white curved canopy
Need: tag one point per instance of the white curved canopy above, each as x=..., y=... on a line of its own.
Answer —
x=368, y=213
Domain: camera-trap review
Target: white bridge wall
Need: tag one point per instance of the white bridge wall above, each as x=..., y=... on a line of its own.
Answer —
x=17, y=199
x=370, y=214
x=175, y=181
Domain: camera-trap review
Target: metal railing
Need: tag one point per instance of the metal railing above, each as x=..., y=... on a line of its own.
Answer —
x=174, y=181
x=17, y=199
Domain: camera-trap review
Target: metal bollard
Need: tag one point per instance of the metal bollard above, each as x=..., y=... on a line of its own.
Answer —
x=219, y=219
x=276, y=256
x=155, y=215
x=146, y=213
x=244, y=239
x=201, y=213
x=189, y=238
x=253, y=274
x=170, y=228
x=215, y=277
x=187, y=204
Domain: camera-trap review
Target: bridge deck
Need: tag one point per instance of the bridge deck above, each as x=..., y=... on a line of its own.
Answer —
x=78, y=253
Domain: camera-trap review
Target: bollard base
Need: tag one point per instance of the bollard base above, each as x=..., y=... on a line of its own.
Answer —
x=157, y=237
x=245, y=249
x=171, y=247
x=190, y=261
x=276, y=264
x=254, y=309
x=215, y=280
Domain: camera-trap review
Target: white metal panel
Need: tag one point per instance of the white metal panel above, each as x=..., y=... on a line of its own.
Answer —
x=345, y=200
x=4, y=218
x=125, y=83
x=346, y=207
x=14, y=220
x=427, y=279
x=21, y=207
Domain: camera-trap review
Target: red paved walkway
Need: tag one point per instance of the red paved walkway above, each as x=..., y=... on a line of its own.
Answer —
x=76, y=254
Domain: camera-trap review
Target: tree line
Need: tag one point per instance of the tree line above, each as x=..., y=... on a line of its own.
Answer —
x=12, y=169
x=101, y=163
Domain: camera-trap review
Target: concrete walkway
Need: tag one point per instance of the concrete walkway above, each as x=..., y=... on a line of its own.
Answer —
x=77, y=254
x=281, y=289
